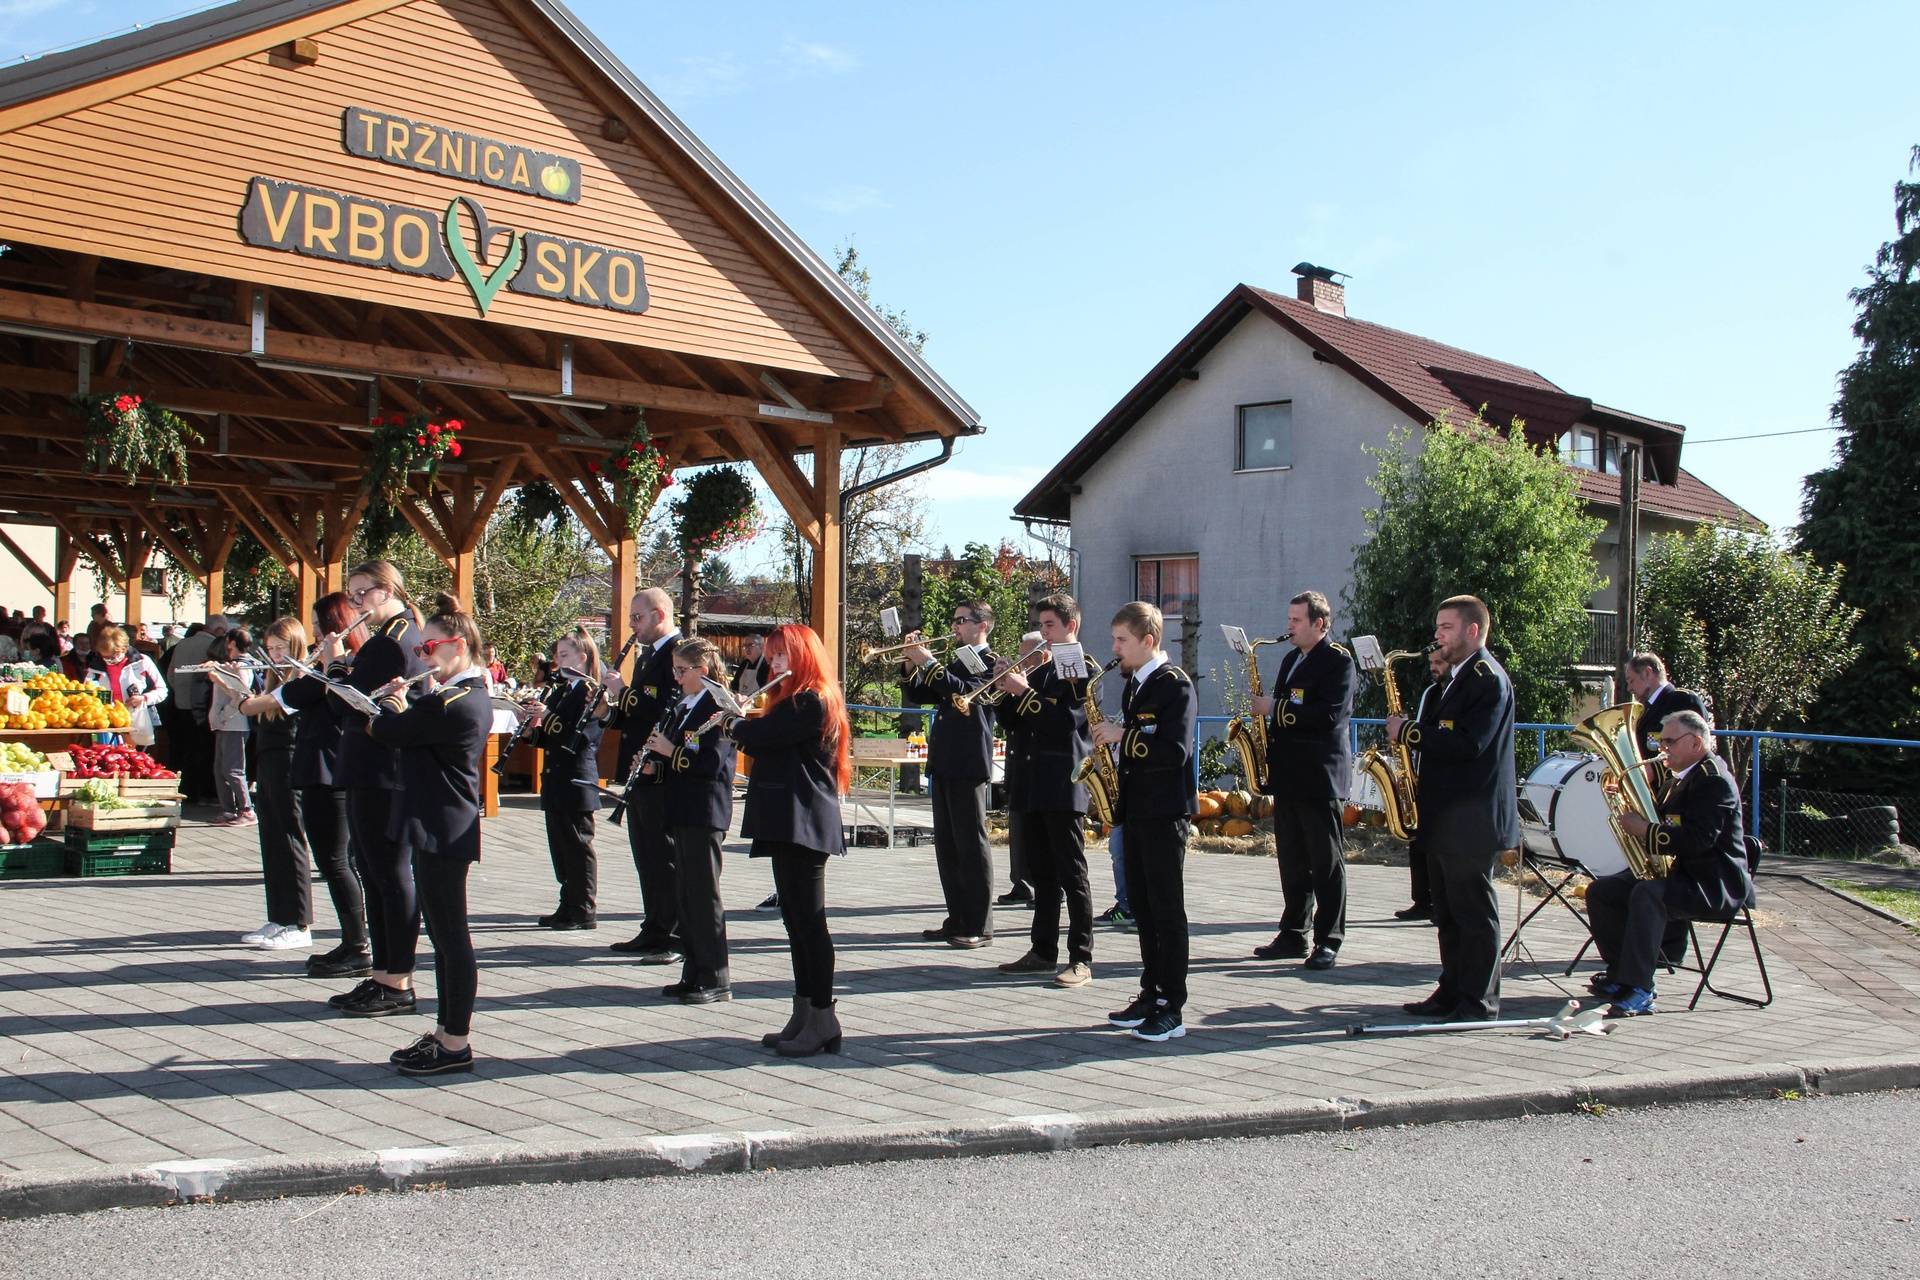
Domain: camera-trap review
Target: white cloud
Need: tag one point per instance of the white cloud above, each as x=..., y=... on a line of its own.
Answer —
x=817, y=55
x=702, y=76
x=849, y=199
x=959, y=484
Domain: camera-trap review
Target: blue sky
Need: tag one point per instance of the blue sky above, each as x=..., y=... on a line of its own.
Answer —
x=1661, y=207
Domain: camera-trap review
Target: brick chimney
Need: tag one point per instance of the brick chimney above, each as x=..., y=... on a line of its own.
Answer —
x=1319, y=288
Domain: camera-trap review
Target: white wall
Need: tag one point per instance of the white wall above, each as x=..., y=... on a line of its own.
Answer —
x=20, y=590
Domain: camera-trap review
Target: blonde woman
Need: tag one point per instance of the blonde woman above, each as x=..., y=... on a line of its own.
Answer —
x=131, y=678
x=286, y=861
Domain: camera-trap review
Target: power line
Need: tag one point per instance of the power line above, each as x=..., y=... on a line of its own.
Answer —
x=1764, y=435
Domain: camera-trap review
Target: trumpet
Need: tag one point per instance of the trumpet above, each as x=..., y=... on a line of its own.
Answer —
x=936, y=647
x=990, y=694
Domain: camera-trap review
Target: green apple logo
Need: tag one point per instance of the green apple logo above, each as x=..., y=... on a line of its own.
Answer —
x=556, y=179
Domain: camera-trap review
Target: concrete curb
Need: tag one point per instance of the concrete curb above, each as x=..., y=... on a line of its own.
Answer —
x=400, y=1169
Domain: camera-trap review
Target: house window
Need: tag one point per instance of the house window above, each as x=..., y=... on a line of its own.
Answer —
x=1170, y=582
x=1264, y=436
x=153, y=582
x=1580, y=447
x=1610, y=455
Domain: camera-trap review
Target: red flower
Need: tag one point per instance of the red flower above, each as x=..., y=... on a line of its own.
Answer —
x=125, y=404
x=455, y=424
x=667, y=481
x=620, y=464
x=594, y=467
x=419, y=439
x=454, y=448
x=433, y=429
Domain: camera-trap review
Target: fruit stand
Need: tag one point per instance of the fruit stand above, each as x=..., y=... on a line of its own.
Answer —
x=89, y=811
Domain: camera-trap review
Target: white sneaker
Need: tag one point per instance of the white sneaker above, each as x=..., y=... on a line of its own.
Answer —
x=287, y=940
x=265, y=931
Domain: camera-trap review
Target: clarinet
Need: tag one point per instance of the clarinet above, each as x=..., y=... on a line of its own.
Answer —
x=640, y=758
x=525, y=727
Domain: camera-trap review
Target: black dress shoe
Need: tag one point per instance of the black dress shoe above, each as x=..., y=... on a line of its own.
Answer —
x=1322, y=958
x=969, y=941
x=674, y=990
x=548, y=922
x=1417, y=911
x=659, y=955
x=346, y=998
x=382, y=1001
x=434, y=1059
x=935, y=935
x=1017, y=896
x=1280, y=949
x=567, y=923
x=639, y=943
x=1434, y=1006
x=340, y=964
x=706, y=995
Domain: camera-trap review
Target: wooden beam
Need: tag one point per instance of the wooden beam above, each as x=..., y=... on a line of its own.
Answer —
x=827, y=568
x=410, y=508
x=65, y=559
x=27, y=562
x=855, y=396
x=563, y=479
x=789, y=484
x=218, y=536
x=483, y=507
x=262, y=531
x=101, y=320
x=182, y=556
x=284, y=525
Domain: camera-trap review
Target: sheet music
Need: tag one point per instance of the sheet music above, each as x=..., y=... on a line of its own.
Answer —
x=970, y=659
x=1236, y=638
x=890, y=623
x=353, y=698
x=1070, y=660
x=1366, y=650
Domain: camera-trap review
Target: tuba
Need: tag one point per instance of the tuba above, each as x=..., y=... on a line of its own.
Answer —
x=1247, y=734
x=1098, y=773
x=1612, y=734
x=1392, y=769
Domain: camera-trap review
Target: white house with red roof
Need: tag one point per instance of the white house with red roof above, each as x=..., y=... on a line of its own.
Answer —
x=1232, y=475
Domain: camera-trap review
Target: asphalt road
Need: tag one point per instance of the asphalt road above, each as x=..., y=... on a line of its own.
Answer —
x=1825, y=1187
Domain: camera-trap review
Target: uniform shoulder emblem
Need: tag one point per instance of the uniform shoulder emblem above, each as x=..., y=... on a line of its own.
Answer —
x=396, y=625
x=1339, y=648
x=451, y=696
x=1179, y=676
x=1481, y=668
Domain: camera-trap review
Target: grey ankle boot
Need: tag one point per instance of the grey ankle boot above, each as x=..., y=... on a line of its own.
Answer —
x=822, y=1031
x=792, y=1029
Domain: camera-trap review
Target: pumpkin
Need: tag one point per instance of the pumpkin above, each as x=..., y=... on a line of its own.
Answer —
x=1207, y=806
x=1236, y=827
x=1238, y=802
x=1262, y=807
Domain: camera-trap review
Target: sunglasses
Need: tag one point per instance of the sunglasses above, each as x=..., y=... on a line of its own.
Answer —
x=960, y=618
x=425, y=648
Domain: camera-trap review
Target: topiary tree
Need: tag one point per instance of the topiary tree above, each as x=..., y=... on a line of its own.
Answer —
x=1482, y=513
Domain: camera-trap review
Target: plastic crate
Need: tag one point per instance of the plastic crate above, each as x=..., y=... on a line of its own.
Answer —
x=87, y=863
x=35, y=861
x=121, y=840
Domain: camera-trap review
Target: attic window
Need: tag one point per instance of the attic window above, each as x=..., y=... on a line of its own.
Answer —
x=1580, y=448
x=1263, y=436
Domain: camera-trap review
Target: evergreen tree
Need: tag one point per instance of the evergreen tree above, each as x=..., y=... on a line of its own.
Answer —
x=1863, y=513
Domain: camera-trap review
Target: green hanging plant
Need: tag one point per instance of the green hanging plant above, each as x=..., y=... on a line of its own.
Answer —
x=717, y=511
x=538, y=506
x=126, y=434
x=637, y=470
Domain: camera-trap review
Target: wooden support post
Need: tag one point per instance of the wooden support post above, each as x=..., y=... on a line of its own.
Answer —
x=221, y=535
x=463, y=579
x=66, y=557
x=136, y=551
x=626, y=565
x=826, y=602
x=306, y=589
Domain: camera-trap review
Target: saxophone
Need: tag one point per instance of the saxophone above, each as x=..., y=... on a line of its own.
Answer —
x=1098, y=773
x=1392, y=770
x=1247, y=734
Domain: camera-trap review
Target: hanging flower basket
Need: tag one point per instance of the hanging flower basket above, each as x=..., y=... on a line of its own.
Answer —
x=406, y=445
x=136, y=439
x=717, y=511
x=637, y=471
x=538, y=506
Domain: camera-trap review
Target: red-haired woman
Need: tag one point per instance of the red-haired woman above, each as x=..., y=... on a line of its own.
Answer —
x=801, y=769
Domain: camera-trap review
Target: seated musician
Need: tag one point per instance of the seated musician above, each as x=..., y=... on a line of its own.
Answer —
x=1699, y=828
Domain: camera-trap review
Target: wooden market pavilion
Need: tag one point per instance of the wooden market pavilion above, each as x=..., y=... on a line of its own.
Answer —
x=284, y=218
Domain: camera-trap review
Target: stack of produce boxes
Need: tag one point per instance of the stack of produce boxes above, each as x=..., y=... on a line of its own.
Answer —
x=122, y=811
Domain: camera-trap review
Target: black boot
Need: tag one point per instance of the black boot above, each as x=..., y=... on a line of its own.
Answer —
x=792, y=1029
x=821, y=1031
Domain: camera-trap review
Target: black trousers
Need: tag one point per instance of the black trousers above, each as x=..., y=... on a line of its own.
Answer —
x=386, y=868
x=285, y=860
x=1156, y=854
x=1418, y=874
x=570, y=845
x=961, y=852
x=195, y=753
x=323, y=811
x=800, y=878
x=1313, y=870
x=1056, y=861
x=1633, y=928
x=1020, y=856
x=652, y=846
x=456, y=974
x=1467, y=915
x=703, y=920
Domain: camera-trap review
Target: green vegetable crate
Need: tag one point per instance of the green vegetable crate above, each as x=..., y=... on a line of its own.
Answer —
x=118, y=853
x=36, y=861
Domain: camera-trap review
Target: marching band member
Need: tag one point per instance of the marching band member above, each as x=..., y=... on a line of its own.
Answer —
x=1158, y=798
x=696, y=766
x=370, y=773
x=1647, y=682
x=1309, y=771
x=569, y=738
x=959, y=766
x=285, y=857
x=323, y=802
x=636, y=710
x=1469, y=810
x=1018, y=754
x=801, y=768
x=1046, y=808
x=1635, y=920
x=1417, y=870
x=441, y=745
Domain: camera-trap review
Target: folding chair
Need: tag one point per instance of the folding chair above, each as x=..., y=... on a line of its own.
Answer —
x=1741, y=919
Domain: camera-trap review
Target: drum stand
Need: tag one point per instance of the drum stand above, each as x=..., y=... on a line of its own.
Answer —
x=1556, y=892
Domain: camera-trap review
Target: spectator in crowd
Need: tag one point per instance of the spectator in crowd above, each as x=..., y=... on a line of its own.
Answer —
x=496, y=669
x=190, y=746
x=131, y=677
x=229, y=726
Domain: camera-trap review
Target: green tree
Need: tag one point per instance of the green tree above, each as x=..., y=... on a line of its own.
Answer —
x=980, y=573
x=1711, y=603
x=1480, y=513
x=1863, y=513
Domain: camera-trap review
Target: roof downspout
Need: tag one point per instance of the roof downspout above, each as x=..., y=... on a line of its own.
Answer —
x=868, y=486
x=1053, y=544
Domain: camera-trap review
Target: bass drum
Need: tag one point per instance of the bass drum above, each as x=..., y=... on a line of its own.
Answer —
x=1564, y=815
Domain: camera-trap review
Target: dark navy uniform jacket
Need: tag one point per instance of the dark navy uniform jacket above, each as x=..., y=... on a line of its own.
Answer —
x=1156, y=754
x=359, y=763
x=1665, y=702
x=1309, y=744
x=699, y=773
x=1466, y=793
x=440, y=742
x=641, y=702
x=316, y=735
x=570, y=760
x=792, y=794
x=1700, y=829
x=959, y=746
x=1047, y=739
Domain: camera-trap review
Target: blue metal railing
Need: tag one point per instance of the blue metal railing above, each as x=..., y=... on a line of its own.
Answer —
x=1540, y=732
